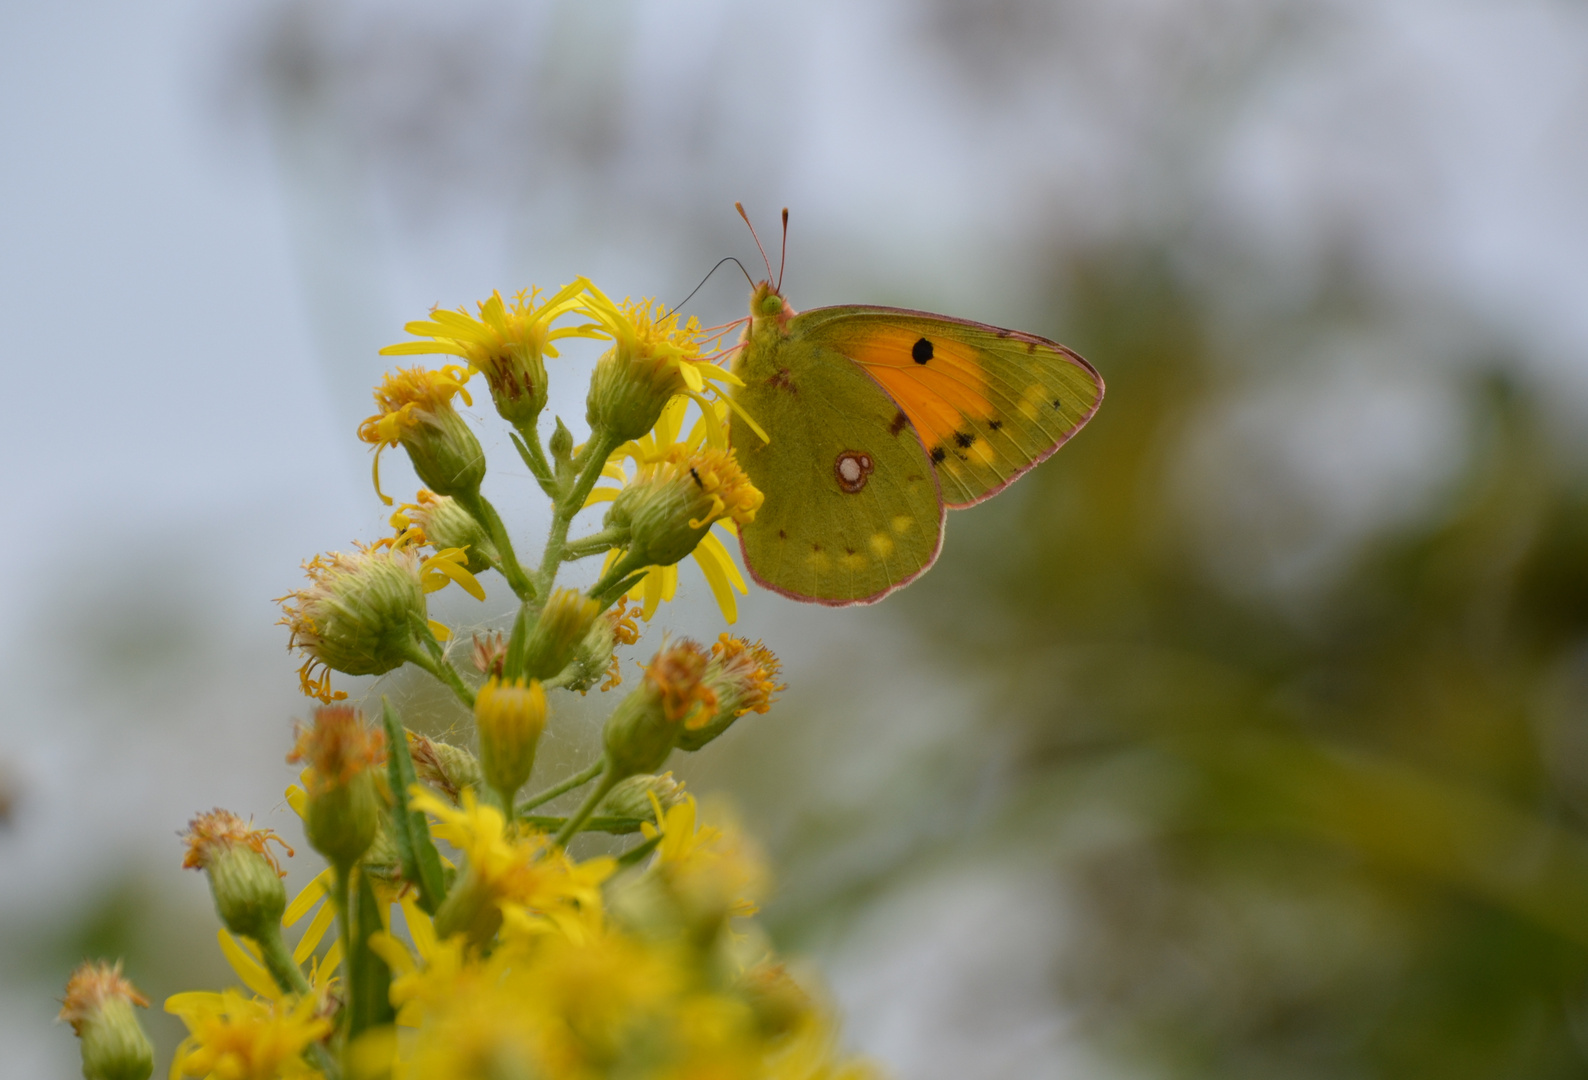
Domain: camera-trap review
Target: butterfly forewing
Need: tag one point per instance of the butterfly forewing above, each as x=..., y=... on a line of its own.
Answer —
x=987, y=403
x=852, y=508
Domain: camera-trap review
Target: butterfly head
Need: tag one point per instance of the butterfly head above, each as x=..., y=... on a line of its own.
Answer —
x=769, y=312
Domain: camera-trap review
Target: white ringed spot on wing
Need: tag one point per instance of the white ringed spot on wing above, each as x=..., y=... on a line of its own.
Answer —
x=852, y=469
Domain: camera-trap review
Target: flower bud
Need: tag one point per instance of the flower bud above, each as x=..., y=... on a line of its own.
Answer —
x=448, y=768
x=98, y=1004
x=510, y=718
x=560, y=630
x=357, y=614
x=244, y=877
x=632, y=797
x=646, y=725
x=635, y=379
x=343, y=810
x=671, y=503
x=445, y=524
x=416, y=411
x=744, y=679
x=561, y=443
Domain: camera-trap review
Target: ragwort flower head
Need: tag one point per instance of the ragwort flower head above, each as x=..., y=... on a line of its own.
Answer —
x=416, y=411
x=344, y=803
x=98, y=1005
x=731, y=500
x=654, y=358
x=243, y=873
x=440, y=522
x=744, y=679
x=507, y=342
x=237, y=1038
x=672, y=698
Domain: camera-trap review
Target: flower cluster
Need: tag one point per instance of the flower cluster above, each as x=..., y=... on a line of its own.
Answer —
x=454, y=933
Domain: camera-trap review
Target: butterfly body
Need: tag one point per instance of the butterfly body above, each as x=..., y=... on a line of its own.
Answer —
x=880, y=419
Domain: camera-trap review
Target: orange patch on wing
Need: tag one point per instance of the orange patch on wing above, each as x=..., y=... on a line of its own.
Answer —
x=938, y=395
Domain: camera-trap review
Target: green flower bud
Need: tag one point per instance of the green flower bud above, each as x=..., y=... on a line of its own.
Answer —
x=744, y=679
x=671, y=504
x=560, y=630
x=632, y=797
x=416, y=411
x=451, y=769
x=646, y=725
x=357, y=614
x=98, y=1004
x=345, y=805
x=244, y=877
x=445, y=524
x=509, y=718
x=561, y=443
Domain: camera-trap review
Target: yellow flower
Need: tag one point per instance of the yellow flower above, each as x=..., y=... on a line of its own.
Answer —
x=524, y=878
x=734, y=500
x=440, y=522
x=416, y=410
x=716, y=873
x=653, y=359
x=212, y=835
x=231, y=1037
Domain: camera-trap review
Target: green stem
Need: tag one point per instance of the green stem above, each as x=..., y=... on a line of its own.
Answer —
x=571, y=827
x=506, y=798
x=627, y=564
x=442, y=671
x=480, y=508
x=595, y=543
x=578, y=779
x=344, y=922
x=588, y=465
x=528, y=445
x=279, y=962
x=609, y=593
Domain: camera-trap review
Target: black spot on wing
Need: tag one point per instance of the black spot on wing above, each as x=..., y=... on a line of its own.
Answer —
x=938, y=454
x=898, y=424
x=964, y=438
x=921, y=351
x=994, y=425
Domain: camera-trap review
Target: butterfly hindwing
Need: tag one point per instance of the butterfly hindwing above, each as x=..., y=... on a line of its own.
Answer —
x=853, y=509
x=987, y=403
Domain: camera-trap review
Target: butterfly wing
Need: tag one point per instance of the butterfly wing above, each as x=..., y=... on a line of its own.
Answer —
x=988, y=403
x=852, y=510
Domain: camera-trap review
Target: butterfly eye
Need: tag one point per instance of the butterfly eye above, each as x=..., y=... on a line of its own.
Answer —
x=772, y=304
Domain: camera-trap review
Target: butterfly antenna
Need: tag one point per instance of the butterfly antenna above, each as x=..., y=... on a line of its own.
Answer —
x=740, y=207
x=783, y=257
x=707, y=278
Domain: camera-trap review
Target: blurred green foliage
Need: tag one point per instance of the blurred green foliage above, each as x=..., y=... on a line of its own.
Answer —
x=1353, y=841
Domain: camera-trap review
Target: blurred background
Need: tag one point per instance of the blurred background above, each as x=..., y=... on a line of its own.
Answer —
x=1246, y=738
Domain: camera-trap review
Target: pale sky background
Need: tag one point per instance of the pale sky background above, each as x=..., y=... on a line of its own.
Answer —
x=199, y=271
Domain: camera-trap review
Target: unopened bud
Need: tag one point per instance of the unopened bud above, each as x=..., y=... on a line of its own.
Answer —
x=632, y=797
x=561, y=628
x=243, y=873
x=98, y=1004
x=448, y=768
x=646, y=725
x=343, y=810
x=510, y=718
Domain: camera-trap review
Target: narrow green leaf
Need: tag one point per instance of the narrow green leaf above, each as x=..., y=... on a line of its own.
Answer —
x=369, y=979
x=420, y=863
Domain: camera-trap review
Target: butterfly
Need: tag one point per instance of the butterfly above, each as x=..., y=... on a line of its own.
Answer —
x=880, y=420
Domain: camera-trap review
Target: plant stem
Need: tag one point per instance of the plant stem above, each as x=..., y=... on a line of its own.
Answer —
x=578, y=779
x=444, y=672
x=588, y=465
x=595, y=543
x=528, y=445
x=279, y=962
x=344, y=920
x=480, y=508
x=571, y=827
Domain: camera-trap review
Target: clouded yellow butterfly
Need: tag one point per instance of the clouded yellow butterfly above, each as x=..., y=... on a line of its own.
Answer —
x=881, y=419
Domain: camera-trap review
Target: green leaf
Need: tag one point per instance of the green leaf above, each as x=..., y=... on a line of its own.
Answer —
x=369, y=979
x=420, y=863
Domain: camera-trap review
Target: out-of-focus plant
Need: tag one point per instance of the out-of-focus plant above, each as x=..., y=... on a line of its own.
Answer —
x=510, y=957
x=1346, y=842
